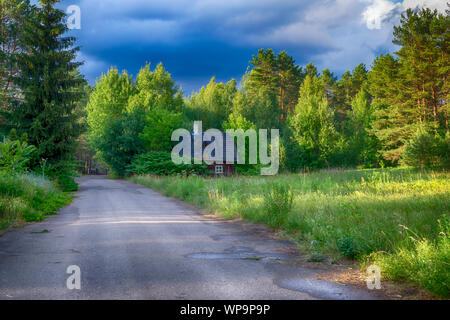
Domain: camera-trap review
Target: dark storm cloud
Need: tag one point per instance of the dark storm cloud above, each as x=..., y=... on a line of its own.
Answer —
x=198, y=39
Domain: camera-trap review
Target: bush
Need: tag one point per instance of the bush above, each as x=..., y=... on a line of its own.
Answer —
x=348, y=246
x=28, y=198
x=62, y=172
x=248, y=169
x=120, y=141
x=160, y=163
x=423, y=150
x=444, y=151
x=15, y=155
x=67, y=183
x=278, y=203
x=157, y=132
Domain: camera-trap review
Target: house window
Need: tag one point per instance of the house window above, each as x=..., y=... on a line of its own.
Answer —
x=219, y=169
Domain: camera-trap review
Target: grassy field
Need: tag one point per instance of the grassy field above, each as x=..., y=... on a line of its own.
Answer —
x=28, y=198
x=398, y=219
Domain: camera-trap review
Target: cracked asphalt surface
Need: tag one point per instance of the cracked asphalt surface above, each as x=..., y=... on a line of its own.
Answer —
x=130, y=242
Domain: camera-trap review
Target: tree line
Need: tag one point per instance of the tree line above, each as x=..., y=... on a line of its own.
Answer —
x=395, y=112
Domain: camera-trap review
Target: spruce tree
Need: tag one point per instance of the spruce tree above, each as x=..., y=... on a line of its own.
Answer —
x=50, y=86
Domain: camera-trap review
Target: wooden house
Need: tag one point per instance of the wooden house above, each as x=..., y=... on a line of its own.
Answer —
x=220, y=166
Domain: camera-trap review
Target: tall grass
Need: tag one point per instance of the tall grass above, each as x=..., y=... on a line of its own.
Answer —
x=377, y=216
x=27, y=198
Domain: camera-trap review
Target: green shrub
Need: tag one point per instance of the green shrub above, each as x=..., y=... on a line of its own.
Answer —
x=278, y=204
x=348, y=246
x=28, y=198
x=159, y=127
x=444, y=151
x=160, y=163
x=120, y=142
x=248, y=169
x=14, y=155
x=67, y=183
x=423, y=150
x=63, y=173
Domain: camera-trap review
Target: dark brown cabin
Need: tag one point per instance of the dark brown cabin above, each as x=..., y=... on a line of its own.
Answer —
x=220, y=168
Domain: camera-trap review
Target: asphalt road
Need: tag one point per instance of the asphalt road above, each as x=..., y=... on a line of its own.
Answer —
x=130, y=242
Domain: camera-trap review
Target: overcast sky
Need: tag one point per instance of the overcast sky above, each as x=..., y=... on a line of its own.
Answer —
x=198, y=39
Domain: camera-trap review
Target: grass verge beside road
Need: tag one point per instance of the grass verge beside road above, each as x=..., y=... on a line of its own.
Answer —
x=28, y=198
x=397, y=219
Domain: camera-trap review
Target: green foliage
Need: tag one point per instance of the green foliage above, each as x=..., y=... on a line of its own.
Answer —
x=361, y=119
x=160, y=163
x=108, y=100
x=158, y=129
x=27, y=198
x=12, y=15
x=421, y=261
x=67, y=183
x=394, y=122
x=269, y=90
x=348, y=246
x=248, y=169
x=422, y=150
x=279, y=77
x=312, y=124
x=361, y=112
x=410, y=90
x=329, y=83
x=212, y=104
x=444, y=151
x=125, y=119
x=295, y=156
x=356, y=146
x=259, y=106
x=120, y=141
x=155, y=89
x=237, y=121
x=278, y=203
x=49, y=85
x=14, y=156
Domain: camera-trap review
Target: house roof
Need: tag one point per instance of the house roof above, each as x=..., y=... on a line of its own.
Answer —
x=229, y=147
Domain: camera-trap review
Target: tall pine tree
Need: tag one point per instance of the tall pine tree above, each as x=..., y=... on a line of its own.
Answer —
x=412, y=91
x=277, y=78
x=50, y=86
